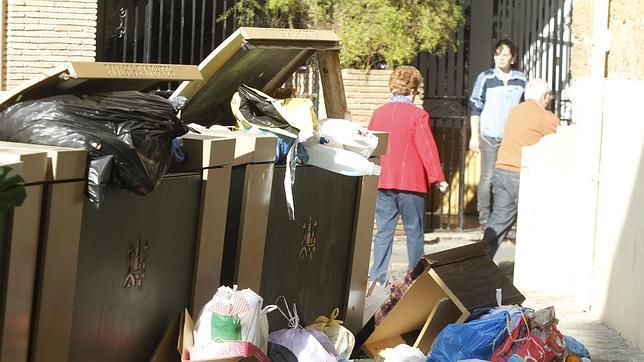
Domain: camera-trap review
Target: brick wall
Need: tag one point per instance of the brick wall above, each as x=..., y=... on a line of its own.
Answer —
x=41, y=35
x=367, y=90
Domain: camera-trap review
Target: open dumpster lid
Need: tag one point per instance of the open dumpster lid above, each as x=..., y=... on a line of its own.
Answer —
x=262, y=58
x=92, y=77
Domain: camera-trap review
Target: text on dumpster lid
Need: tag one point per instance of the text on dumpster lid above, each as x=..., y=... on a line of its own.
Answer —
x=140, y=71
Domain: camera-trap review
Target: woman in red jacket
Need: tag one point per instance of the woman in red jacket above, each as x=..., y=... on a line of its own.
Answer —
x=409, y=168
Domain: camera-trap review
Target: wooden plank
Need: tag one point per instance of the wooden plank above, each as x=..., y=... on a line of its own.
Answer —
x=444, y=313
x=55, y=300
x=110, y=70
x=22, y=259
x=249, y=148
x=332, y=85
x=205, y=151
x=281, y=34
x=253, y=224
x=210, y=238
x=211, y=64
x=361, y=250
x=287, y=71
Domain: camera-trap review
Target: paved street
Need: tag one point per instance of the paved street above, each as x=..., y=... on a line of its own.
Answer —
x=604, y=343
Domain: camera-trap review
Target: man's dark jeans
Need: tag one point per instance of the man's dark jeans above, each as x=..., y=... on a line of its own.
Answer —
x=489, y=151
x=506, y=205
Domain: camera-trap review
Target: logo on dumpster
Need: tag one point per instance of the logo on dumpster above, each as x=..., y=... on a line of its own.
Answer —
x=136, y=270
x=310, y=238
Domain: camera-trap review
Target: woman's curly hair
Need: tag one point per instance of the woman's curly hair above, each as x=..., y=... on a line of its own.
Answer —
x=405, y=80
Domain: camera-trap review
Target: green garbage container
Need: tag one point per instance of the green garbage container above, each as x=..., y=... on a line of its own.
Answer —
x=319, y=260
x=110, y=280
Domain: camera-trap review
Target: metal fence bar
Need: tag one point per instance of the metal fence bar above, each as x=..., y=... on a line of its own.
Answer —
x=147, y=40
x=203, y=30
x=160, y=40
x=125, y=33
x=171, y=32
x=193, y=31
x=465, y=92
x=181, y=30
x=214, y=20
x=135, y=51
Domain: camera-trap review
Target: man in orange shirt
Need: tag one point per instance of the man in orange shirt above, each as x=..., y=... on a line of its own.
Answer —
x=527, y=123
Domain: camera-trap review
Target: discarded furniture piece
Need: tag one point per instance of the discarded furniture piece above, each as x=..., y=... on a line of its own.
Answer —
x=444, y=287
x=320, y=260
x=110, y=279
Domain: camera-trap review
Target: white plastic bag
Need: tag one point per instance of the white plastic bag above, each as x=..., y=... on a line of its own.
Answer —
x=342, y=339
x=340, y=161
x=244, y=304
x=306, y=344
x=402, y=353
x=347, y=135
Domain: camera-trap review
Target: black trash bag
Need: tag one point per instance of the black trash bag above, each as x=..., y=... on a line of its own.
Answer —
x=132, y=129
x=278, y=353
x=259, y=111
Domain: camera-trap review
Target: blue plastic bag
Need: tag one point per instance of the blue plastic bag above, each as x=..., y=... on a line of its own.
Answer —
x=474, y=339
x=574, y=346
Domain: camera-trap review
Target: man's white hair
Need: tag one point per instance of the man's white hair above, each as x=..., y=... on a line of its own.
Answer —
x=536, y=88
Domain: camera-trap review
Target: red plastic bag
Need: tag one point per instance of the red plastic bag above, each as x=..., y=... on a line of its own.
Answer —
x=525, y=343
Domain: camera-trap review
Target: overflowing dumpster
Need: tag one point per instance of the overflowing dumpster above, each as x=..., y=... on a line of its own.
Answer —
x=320, y=259
x=110, y=277
x=106, y=275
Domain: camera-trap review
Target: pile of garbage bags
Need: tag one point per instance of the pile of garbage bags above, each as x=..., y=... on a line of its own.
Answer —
x=234, y=324
x=505, y=333
x=131, y=136
x=336, y=145
x=128, y=134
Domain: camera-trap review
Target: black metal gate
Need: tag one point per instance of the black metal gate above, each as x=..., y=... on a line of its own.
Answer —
x=445, y=98
x=185, y=31
x=160, y=31
x=541, y=30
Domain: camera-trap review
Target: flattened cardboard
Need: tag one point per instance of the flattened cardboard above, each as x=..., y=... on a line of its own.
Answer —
x=452, y=284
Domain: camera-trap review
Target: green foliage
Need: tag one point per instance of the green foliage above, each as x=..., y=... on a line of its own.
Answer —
x=12, y=189
x=393, y=31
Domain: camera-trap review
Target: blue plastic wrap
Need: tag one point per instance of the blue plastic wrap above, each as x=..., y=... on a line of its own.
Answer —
x=475, y=339
x=574, y=346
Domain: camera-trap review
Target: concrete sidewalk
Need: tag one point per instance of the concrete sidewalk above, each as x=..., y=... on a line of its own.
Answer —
x=604, y=343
